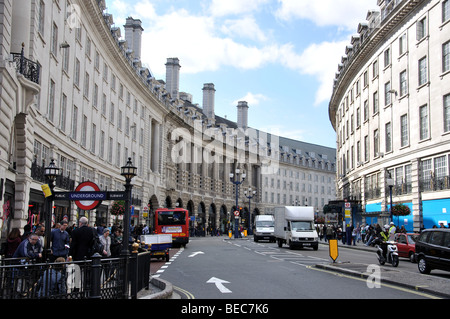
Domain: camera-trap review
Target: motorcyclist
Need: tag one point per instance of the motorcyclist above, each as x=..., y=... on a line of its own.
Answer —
x=384, y=238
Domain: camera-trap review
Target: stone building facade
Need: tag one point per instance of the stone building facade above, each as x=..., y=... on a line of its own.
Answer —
x=391, y=110
x=74, y=90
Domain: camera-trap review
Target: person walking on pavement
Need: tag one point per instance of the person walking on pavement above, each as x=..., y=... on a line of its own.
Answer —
x=330, y=233
x=82, y=239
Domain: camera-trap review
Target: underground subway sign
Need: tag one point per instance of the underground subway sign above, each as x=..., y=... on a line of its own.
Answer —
x=87, y=196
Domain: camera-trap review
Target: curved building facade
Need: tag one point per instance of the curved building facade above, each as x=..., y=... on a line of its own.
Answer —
x=73, y=90
x=390, y=108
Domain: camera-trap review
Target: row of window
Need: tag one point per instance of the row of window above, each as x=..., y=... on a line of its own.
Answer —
x=348, y=125
x=436, y=167
x=422, y=76
x=363, y=155
x=294, y=201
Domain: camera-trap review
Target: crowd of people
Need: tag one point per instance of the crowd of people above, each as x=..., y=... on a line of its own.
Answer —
x=67, y=242
x=365, y=233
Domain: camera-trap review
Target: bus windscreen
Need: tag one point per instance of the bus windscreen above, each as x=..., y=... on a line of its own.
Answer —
x=171, y=218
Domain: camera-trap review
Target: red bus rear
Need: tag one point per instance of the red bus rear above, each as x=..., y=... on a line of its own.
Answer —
x=175, y=222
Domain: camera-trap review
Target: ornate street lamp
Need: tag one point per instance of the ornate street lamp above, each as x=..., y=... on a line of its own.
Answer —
x=128, y=171
x=390, y=183
x=51, y=172
x=250, y=196
x=237, y=181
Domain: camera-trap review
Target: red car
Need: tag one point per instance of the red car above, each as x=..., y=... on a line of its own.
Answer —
x=406, y=245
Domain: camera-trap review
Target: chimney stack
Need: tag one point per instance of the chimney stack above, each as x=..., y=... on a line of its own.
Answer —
x=133, y=36
x=209, y=93
x=242, y=115
x=173, y=77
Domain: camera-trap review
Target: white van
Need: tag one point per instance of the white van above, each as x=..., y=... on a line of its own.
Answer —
x=264, y=228
x=294, y=226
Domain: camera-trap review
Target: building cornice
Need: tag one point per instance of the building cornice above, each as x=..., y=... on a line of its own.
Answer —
x=375, y=40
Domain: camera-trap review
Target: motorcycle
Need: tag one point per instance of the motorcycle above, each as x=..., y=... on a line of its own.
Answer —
x=392, y=253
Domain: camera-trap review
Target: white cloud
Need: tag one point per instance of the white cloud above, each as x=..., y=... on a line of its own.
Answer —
x=321, y=61
x=279, y=130
x=244, y=28
x=220, y=8
x=252, y=99
x=341, y=13
x=145, y=9
x=171, y=35
x=197, y=41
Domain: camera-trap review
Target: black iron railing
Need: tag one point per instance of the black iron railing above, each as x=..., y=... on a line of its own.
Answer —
x=97, y=278
x=63, y=182
x=29, y=69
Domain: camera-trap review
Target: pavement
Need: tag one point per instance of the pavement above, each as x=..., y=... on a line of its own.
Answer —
x=431, y=284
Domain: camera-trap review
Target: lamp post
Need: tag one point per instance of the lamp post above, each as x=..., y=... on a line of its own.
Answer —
x=390, y=183
x=128, y=171
x=250, y=196
x=237, y=181
x=50, y=173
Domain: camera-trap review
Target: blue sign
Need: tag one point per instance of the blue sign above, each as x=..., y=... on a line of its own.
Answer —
x=87, y=196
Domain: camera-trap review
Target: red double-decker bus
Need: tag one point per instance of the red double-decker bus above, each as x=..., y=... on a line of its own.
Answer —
x=175, y=222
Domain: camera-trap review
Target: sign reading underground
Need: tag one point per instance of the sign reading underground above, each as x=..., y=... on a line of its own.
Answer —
x=87, y=196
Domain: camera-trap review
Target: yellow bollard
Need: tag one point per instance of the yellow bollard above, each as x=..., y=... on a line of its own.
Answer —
x=245, y=232
x=229, y=233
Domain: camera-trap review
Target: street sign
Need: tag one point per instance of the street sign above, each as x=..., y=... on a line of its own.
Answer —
x=236, y=213
x=334, y=253
x=86, y=196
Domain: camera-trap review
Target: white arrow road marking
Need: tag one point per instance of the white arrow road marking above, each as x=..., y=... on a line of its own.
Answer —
x=196, y=253
x=219, y=284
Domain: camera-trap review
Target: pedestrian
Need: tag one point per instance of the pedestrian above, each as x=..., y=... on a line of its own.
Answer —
x=330, y=233
x=53, y=281
x=392, y=231
x=40, y=231
x=116, y=243
x=12, y=242
x=348, y=234
x=82, y=240
x=105, y=239
x=29, y=248
x=354, y=234
x=26, y=232
x=370, y=235
x=145, y=230
x=363, y=233
x=60, y=240
x=100, y=230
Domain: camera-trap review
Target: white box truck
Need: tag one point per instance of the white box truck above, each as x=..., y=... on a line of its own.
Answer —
x=264, y=228
x=294, y=226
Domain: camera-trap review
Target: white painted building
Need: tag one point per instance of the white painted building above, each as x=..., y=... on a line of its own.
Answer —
x=78, y=94
x=391, y=111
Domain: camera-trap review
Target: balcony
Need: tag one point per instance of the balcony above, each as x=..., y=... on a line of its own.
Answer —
x=432, y=184
x=63, y=182
x=29, y=69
